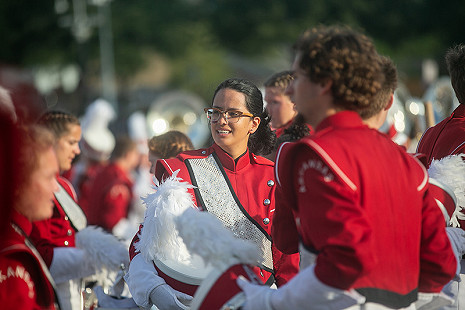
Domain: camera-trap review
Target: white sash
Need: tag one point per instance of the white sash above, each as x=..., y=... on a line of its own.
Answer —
x=219, y=199
x=71, y=208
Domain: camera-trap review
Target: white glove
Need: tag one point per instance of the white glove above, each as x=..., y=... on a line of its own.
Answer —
x=432, y=301
x=256, y=296
x=304, y=291
x=457, y=240
x=70, y=263
x=143, y=280
x=165, y=297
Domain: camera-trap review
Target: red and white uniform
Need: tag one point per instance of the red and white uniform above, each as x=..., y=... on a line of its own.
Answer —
x=362, y=207
x=56, y=231
x=111, y=197
x=445, y=138
x=55, y=239
x=252, y=179
x=24, y=283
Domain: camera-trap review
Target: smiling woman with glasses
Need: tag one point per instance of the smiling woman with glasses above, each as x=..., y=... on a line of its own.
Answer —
x=230, y=181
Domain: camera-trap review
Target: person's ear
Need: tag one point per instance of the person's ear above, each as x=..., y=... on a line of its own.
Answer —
x=326, y=86
x=391, y=101
x=255, y=123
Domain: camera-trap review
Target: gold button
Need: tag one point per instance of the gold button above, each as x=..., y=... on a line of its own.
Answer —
x=66, y=243
x=66, y=218
x=69, y=232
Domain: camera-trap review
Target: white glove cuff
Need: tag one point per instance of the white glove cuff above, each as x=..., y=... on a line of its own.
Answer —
x=305, y=288
x=142, y=278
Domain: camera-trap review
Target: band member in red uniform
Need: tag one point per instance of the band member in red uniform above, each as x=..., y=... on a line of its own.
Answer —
x=278, y=104
x=231, y=182
x=448, y=137
x=55, y=237
x=111, y=194
x=359, y=200
x=25, y=281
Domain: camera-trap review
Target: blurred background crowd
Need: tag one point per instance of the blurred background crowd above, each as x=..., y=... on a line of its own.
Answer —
x=161, y=60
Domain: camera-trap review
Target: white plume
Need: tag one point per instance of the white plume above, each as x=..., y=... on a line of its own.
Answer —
x=104, y=250
x=206, y=236
x=450, y=170
x=159, y=237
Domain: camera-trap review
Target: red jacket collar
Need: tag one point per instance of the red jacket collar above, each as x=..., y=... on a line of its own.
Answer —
x=228, y=162
x=21, y=221
x=459, y=111
x=341, y=119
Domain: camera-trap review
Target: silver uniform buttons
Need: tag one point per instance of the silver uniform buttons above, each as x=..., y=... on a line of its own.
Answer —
x=266, y=202
x=66, y=243
x=69, y=232
x=270, y=183
x=204, y=152
x=266, y=221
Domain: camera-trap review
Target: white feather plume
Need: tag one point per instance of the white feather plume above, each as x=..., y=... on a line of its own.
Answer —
x=159, y=237
x=206, y=236
x=105, y=252
x=450, y=170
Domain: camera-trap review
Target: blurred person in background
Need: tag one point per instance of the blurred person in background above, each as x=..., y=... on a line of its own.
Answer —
x=279, y=106
x=28, y=167
x=231, y=182
x=112, y=191
x=167, y=145
x=448, y=138
x=96, y=146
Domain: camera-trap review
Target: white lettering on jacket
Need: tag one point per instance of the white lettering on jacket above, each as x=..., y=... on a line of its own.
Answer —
x=317, y=165
x=20, y=273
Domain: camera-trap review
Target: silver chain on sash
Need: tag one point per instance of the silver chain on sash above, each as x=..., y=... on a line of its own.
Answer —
x=219, y=201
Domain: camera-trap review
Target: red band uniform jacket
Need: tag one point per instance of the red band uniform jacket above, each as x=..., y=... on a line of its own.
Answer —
x=57, y=231
x=361, y=204
x=110, y=198
x=23, y=280
x=445, y=138
x=252, y=179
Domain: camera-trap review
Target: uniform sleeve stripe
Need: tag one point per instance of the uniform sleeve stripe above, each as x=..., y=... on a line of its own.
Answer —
x=458, y=147
x=425, y=177
x=167, y=165
x=332, y=164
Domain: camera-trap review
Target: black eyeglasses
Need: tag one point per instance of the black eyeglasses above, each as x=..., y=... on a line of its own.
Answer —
x=232, y=116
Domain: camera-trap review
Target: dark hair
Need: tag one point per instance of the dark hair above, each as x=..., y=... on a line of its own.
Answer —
x=169, y=144
x=261, y=142
x=123, y=146
x=381, y=99
x=345, y=57
x=455, y=59
x=280, y=80
x=58, y=122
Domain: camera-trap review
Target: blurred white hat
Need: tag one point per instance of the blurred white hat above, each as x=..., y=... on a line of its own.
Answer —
x=97, y=140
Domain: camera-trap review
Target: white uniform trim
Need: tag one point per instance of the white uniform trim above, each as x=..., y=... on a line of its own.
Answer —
x=317, y=148
x=457, y=148
x=277, y=161
x=425, y=175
